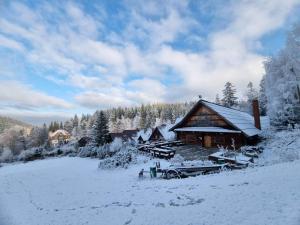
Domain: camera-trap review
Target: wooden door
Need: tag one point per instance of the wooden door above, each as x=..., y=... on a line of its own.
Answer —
x=207, y=141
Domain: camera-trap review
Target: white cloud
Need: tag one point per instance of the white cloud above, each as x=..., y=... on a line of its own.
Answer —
x=86, y=82
x=17, y=95
x=103, y=100
x=11, y=44
x=138, y=92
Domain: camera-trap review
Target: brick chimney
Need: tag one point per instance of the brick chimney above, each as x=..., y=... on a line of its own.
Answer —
x=256, y=114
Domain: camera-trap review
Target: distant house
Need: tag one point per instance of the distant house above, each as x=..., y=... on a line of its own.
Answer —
x=212, y=125
x=126, y=135
x=162, y=133
x=116, y=135
x=59, y=137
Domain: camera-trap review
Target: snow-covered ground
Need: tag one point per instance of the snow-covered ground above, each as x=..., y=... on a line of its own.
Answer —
x=74, y=191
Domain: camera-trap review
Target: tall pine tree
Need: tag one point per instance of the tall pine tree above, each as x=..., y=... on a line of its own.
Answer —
x=229, y=99
x=262, y=98
x=100, y=130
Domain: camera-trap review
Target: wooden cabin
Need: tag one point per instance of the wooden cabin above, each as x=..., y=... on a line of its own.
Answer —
x=211, y=125
x=126, y=135
x=141, y=140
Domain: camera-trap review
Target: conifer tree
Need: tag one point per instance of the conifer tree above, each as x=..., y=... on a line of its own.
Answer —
x=100, y=130
x=251, y=92
x=143, y=117
x=229, y=99
x=217, y=100
x=262, y=98
x=75, y=121
x=68, y=126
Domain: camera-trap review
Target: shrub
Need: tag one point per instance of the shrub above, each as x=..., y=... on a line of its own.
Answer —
x=6, y=155
x=124, y=157
x=31, y=154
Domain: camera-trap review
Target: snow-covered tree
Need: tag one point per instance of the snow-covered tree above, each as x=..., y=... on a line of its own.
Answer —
x=262, y=98
x=282, y=82
x=37, y=137
x=251, y=93
x=75, y=130
x=68, y=126
x=143, y=117
x=217, y=100
x=229, y=99
x=100, y=130
x=14, y=139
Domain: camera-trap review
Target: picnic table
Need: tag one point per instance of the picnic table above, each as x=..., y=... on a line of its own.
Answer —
x=163, y=152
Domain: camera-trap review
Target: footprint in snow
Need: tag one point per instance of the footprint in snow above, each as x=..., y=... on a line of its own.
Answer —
x=128, y=222
x=159, y=204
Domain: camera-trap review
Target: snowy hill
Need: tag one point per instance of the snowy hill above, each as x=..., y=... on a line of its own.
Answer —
x=7, y=122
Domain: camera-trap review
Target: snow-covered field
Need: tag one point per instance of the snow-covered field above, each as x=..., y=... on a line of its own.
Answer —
x=74, y=191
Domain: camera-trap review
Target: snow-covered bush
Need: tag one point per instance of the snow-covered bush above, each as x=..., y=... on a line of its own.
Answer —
x=86, y=151
x=31, y=154
x=127, y=155
x=280, y=147
x=116, y=145
x=177, y=159
x=103, y=151
x=6, y=155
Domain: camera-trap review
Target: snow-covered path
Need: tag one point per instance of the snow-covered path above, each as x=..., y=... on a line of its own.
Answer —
x=73, y=191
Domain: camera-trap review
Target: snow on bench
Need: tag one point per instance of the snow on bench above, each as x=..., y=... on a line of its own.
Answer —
x=162, y=152
x=236, y=159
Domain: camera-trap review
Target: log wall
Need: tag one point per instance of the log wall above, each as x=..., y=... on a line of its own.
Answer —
x=212, y=140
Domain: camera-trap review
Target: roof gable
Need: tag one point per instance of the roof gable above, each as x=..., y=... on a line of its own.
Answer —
x=158, y=131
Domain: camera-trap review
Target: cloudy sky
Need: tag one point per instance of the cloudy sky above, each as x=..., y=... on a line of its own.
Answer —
x=58, y=58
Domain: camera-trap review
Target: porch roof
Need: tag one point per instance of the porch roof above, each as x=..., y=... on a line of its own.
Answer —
x=206, y=129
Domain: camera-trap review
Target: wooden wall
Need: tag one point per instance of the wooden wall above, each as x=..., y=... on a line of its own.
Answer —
x=212, y=140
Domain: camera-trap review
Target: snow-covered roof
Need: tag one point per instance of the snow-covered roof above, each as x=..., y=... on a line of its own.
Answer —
x=59, y=132
x=241, y=120
x=238, y=119
x=178, y=119
x=207, y=129
x=144, y=134
x=164, y=130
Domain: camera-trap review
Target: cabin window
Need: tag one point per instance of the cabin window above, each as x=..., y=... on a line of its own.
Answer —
x=219, y=140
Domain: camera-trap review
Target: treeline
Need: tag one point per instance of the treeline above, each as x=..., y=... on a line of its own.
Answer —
x=17, y=140
x=121, y=118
